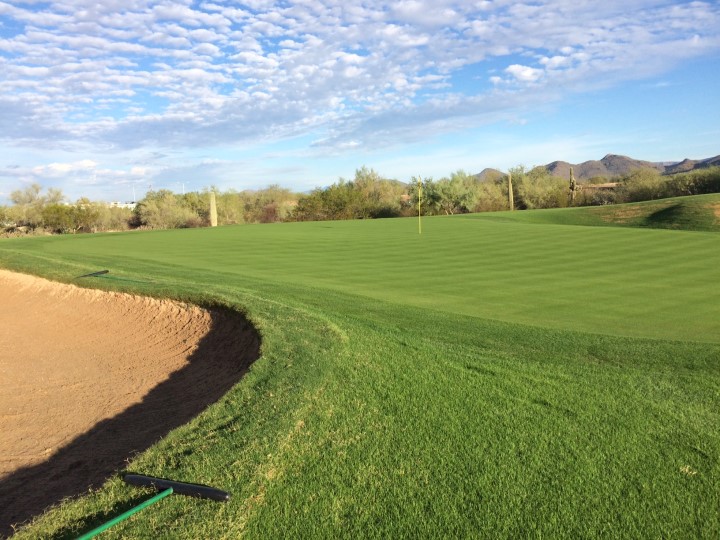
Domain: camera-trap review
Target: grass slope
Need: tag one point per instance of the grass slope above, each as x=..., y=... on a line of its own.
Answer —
x=493, y=377
x=693, y=213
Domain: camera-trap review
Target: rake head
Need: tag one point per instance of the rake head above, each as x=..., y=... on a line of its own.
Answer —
x=182, y=488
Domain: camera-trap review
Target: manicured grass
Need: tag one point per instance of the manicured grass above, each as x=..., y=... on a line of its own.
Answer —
x=494, y=377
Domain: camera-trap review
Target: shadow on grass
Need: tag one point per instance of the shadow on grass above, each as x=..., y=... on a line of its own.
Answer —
x=666, y=218
x=221, y=359
x=88, y=523
x=684, y=216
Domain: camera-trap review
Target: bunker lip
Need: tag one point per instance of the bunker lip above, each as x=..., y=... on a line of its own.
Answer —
x=89, y=379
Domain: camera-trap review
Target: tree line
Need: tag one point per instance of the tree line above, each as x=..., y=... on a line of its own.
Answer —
x=35, y=211
x=367, y=196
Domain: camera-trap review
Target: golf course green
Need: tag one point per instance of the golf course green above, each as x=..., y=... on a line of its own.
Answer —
x=515, y=374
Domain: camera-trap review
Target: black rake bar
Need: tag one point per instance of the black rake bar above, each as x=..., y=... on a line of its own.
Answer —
x=181, y=488
x=94, y=274
x=165, y=488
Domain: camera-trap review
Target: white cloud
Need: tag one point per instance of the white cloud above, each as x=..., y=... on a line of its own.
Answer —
x=426, y=14
x=524, y=73
x=555, y=62
x=197, y=74
x=60, y=169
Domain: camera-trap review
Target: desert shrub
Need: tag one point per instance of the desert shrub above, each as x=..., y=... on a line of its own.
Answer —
x=707, y=180
x=58, y=218
x=114, y=219
x=309, y=208
x=86, y=216
x=367, y=196
x=697, y=182
x=681, y=184
x=597, y=180
x=5, y=217
x=28, y=205
x=229, y=207
x=162, y=210
x=458, y=194
x=270, y=205
x=491, y=196
x=538, y=189
x=642, y=185
x=430, y=200
x=198, y=205
x=595, y=197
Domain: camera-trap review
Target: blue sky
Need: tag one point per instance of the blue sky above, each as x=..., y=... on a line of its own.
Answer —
x=101, y=98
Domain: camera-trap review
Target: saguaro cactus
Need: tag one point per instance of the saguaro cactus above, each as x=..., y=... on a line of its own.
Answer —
x=420, y=186
x=511, y=198
x=573, y=186
x=213, y=210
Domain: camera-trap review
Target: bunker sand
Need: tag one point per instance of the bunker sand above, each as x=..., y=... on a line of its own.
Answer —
x=90, y=378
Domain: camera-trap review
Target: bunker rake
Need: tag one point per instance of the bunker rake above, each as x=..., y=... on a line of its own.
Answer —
x=164, y=487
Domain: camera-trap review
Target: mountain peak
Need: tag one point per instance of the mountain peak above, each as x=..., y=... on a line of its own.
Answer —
x=612, y=166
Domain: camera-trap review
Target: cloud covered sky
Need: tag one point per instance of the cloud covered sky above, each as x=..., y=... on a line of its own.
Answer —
x=105, y=98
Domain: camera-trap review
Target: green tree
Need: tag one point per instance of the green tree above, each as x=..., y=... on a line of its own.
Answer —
x=458, y=194
x=431, y=197
x=53, y=196
x=29, y=195
x=30, y=202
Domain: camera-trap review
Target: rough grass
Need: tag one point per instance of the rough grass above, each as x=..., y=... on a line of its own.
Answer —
x=493, y=377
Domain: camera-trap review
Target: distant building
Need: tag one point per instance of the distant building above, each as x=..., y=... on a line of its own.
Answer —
x=605, y=186
x=118, y=204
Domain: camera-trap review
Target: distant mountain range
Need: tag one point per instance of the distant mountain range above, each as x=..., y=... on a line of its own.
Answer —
x=612, y=166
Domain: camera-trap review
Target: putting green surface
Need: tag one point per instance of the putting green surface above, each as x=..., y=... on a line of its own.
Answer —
x=620, y=281
x=493, y=377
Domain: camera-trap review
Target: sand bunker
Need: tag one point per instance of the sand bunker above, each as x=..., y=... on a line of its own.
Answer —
x=90, y=378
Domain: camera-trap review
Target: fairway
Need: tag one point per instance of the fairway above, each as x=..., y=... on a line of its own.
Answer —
x=500, y=375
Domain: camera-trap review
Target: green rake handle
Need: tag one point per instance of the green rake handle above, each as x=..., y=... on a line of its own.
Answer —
x=124, y=516
x=165, y=487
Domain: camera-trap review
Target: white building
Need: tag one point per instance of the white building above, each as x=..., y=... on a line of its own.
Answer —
x=118, y=204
